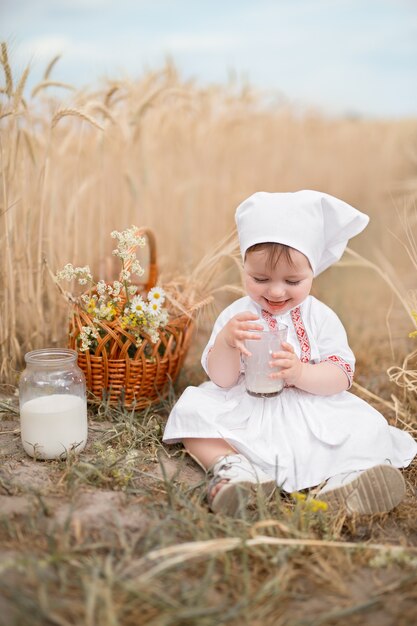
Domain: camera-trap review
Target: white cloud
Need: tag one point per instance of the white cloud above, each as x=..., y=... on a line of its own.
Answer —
x=45, y=47
x=86, y=4
x=189, y=42
x=76, y=4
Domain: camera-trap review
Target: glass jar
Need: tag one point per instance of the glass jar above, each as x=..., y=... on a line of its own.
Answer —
x=53, y=404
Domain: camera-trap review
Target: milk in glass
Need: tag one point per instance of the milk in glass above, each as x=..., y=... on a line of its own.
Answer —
x=257, y=369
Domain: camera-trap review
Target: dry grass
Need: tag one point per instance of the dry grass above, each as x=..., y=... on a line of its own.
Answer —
x=178, y=158
x=122, y=535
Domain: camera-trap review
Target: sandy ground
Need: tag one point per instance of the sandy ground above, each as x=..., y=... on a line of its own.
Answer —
x=23, y=481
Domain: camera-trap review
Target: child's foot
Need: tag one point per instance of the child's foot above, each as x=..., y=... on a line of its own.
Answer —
x=235, y=481
x=375, y=490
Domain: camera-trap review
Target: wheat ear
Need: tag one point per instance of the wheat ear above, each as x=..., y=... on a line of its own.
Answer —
x=75, y=113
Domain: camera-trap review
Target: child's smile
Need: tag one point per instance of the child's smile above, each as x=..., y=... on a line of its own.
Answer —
x=276, y=305
x=281, y=288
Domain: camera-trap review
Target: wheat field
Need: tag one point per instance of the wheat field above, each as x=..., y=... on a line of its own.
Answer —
x=177, y=158
x=122, y=535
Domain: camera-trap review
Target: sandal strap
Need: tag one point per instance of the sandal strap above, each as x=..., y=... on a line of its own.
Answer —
x=212, y=483
x=237, y=468
x=234, y=469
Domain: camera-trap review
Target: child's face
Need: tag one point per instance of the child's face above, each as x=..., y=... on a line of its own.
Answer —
x=281, y=288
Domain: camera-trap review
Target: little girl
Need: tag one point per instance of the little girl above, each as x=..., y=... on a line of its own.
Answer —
x=315, y=430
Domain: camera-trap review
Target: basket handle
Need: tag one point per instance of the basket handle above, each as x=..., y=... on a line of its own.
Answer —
x=152, y=268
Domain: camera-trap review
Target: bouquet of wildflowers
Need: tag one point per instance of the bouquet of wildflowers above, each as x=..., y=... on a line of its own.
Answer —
x=118, y=304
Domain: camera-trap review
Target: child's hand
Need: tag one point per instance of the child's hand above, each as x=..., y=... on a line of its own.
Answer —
x=289, y=363
x=239, y=328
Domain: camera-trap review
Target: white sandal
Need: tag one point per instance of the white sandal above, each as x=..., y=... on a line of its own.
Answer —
x=243, y=480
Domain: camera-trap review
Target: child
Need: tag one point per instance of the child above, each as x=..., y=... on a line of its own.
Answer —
x=315, y=430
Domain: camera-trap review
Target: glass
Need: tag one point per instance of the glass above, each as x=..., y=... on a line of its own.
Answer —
x=257, y=369
x=53, y=404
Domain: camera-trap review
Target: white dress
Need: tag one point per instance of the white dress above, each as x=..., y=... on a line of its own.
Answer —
x=299, y=438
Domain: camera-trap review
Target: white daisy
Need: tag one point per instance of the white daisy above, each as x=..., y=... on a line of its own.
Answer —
x=154, y=307
x=156, y=294
x=138, y=305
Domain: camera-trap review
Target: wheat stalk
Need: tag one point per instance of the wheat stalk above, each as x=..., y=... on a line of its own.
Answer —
x=59, y=115
x=7, y=113
x=361, y=261
x=172, y=556
x=7, y=70
x=29, y=141
x=50, y=66
x=50, y=83
x=17, y=97
x=110, y=93
x=104, y=110
x=9, y=297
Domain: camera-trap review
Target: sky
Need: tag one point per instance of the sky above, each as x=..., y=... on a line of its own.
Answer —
x=343, y=57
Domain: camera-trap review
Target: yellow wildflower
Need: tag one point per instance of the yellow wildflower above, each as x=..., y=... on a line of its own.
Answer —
x=91, y=306
x=298, y=497
x=309, y=504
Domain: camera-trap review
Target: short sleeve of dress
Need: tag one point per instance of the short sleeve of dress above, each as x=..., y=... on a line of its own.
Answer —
x=332, y=342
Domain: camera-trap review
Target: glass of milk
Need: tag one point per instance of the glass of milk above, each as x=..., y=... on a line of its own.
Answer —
x=53, y=404
x=257, y=369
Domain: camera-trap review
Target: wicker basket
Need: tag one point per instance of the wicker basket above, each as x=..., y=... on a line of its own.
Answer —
x=145, y=377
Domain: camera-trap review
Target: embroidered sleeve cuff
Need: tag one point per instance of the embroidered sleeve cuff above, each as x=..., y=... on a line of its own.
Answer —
x=344, y=365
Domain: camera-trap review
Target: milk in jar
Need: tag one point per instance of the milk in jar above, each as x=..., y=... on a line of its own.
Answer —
x=53, y=404
x=51, y=426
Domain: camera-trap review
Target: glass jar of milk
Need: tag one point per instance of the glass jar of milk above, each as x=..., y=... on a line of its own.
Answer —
x=53, y=404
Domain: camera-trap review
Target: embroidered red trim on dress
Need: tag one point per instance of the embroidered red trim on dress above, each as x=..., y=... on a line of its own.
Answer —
x=337, y=360
x=301, y=335
x=299, y=329
x=269, y=319
x=305, y=343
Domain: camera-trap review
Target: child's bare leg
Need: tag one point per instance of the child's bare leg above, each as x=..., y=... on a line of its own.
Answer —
x=206, y=451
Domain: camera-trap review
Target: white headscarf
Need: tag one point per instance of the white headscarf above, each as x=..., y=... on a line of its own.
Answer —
x=315, y=223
